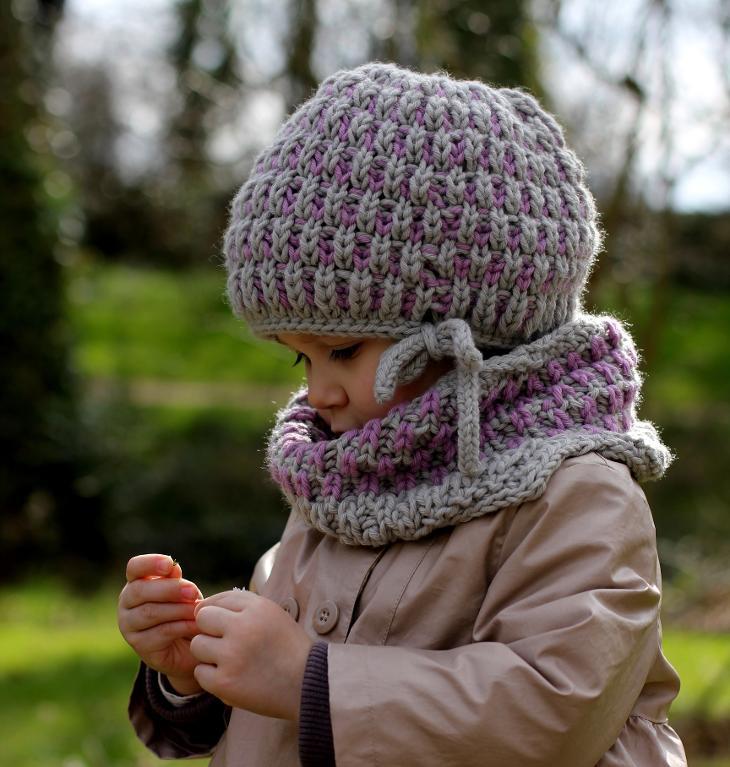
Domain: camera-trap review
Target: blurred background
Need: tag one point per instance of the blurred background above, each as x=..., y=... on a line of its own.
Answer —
x=134, y=407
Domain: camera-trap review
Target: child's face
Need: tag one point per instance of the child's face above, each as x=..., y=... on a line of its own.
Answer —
x=341, y=373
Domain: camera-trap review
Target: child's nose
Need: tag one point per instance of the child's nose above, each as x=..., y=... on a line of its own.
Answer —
x=324, y=392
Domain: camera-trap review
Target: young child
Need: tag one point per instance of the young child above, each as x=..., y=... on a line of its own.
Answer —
x=469, y=572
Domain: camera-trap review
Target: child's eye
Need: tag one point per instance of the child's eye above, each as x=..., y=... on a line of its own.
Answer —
x=344, y=354
x=299, y=358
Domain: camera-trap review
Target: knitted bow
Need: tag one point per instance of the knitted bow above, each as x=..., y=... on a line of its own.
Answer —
x=405, y=361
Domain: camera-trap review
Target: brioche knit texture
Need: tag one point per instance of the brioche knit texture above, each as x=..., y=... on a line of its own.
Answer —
x=447, y=215
x=398, y=478
x=392, y=196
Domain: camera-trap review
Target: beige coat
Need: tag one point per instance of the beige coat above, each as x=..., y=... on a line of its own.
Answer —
x=526, y=637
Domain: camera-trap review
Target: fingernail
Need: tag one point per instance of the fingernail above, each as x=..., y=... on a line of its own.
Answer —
x=189, y=592
x=164, y=565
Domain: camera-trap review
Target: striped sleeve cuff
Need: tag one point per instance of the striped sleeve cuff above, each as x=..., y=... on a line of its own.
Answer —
x=198, y=708
x=316, y=742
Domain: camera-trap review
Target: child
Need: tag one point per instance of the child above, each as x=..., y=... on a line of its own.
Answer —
x=469, y=573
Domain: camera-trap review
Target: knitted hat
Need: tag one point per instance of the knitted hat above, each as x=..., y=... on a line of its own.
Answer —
x=392, y=198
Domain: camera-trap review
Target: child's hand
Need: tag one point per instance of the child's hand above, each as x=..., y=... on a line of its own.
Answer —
x=156, y=616
x=251, y=653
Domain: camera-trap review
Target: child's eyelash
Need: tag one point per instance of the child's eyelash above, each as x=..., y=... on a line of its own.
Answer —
x=335, y=354
x=344, y=354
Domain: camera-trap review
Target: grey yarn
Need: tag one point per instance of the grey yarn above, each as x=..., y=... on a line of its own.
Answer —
x=447, y=215
x=406, y=360
x=393, y=197
x=399, y=478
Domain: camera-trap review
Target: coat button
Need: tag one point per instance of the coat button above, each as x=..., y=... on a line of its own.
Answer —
x=289, y=605
x=325, y=617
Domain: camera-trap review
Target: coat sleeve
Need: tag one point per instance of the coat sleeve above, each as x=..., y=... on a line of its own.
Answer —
x=563, y=642
x=175, y=732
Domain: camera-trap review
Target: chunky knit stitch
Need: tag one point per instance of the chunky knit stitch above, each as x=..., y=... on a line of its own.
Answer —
x=447, y=215
x=398, y=478
x=391, y=196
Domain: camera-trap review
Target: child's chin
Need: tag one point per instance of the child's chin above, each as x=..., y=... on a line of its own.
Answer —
x=339, y=430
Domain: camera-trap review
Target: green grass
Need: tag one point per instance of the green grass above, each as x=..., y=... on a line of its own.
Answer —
x=67, y=672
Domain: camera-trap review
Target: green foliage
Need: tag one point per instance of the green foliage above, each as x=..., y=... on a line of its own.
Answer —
x=179, y=399
x=692, y=367
x=703, y=664
x=494, y=41
x=191, y=483
x=686, y=394
x=690, y=364
x=136, y=322
x=42, y=448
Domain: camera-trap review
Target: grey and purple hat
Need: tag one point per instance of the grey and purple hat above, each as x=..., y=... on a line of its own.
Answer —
x=392, y=199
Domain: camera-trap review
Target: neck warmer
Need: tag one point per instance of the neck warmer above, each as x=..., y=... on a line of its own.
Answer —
x=489, y=434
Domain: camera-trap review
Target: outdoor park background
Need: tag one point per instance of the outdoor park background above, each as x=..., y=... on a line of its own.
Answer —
x=134, y=406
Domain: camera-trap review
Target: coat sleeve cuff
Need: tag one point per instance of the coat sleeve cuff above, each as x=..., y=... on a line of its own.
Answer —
x=173, y=732
x=316, y=742
x=197, y=709
x=173, y=697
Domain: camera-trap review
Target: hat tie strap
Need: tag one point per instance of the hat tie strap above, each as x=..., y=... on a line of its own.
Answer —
x=406, y=360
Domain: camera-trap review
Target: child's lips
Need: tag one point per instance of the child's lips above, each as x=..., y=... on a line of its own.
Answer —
x=328, y=420
x=334, y=428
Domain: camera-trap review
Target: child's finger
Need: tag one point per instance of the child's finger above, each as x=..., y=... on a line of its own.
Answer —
x=212, y=619
x=153, y=613
x=146, y=565
x=236, y=600
x=159, y=637
x=206, y=675
x=161, y=590
x=206, y=649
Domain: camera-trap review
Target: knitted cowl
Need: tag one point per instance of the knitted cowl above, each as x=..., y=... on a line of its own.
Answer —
x=487, y=435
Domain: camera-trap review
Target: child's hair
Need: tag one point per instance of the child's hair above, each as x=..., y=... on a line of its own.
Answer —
x=393, y=198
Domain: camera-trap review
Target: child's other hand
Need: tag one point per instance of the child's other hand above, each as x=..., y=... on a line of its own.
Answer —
x=251, y=653
x=156, y=616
